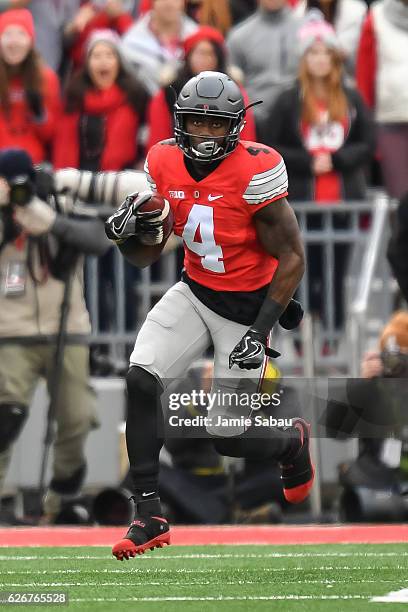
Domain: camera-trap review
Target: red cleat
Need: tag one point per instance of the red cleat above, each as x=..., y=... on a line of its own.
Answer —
x=298, y=475
x=143, y=534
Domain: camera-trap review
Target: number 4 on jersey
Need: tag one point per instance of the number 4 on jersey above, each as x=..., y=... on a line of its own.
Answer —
x=202, y=218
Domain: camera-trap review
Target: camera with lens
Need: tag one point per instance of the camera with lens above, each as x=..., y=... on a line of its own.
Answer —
x=23, y=178
x=24, y=182
x=22, y=190
x=395, y=364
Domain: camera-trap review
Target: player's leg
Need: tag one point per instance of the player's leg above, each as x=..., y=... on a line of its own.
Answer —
x=19, y=372
x=289, y=446
x=76, y=416
x=171, y=338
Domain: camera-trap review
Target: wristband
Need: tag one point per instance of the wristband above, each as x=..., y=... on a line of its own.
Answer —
x=268, y=315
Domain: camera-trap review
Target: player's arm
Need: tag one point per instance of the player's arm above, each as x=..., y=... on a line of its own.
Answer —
x=279, y=235
x=138, y=234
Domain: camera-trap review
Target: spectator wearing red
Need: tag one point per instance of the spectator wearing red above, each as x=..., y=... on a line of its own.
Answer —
x=104, y=109
x=382, y=78
x=29, y=90
x=96, y=15
x=322, y=127
x=324, y=132
x=204, y=50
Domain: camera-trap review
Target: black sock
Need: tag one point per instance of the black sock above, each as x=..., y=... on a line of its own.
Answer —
x=144, y=437
x=147, y=506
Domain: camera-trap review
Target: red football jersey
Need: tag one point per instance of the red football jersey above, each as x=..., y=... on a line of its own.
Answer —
x=214, y=215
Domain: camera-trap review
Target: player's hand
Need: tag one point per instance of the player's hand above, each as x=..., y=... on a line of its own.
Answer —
x=128, y=221
x=249, y=353
x=292, y=316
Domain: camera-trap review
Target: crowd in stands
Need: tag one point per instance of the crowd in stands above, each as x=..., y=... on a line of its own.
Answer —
x=91, y=85
x=79, y=76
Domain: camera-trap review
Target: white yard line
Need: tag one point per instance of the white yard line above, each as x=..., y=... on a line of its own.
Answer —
x=210, y=570
x=183, y=584
x=273, y=555
x=221, y=598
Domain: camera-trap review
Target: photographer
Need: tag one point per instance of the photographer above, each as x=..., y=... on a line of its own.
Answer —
x=39, y=245
x=382, y=394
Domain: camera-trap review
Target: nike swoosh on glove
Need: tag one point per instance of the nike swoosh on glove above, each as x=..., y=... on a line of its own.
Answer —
x=249, y=353
x=128, y=221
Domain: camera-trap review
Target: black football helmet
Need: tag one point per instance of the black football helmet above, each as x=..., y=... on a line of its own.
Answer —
x=214, y=94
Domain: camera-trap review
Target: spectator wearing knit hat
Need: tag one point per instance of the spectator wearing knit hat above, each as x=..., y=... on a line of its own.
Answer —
x=104, y=110
x=320, y=126
x=155, y=41
x=325, y=134
x=382, y=78
x=204, y=50
x=346, y=17
x=29, y=90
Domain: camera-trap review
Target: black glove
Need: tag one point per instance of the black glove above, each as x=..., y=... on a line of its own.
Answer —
x=127, y=221
x=292, y=316
x=249, y=353
x=35, y=102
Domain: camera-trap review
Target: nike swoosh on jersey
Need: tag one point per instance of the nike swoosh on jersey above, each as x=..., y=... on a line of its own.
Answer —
x=211, y=198
x=146, y=494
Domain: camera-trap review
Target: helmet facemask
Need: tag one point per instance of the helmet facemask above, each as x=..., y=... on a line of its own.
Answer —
x=211, y=148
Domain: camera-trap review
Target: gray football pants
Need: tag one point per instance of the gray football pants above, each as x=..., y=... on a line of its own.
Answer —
x=176, y=332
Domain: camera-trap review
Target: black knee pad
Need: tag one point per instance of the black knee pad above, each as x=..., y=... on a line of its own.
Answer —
x=12, y=417
x=141, y=384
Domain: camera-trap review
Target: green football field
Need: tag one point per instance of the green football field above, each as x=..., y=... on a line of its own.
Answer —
x=212, y=578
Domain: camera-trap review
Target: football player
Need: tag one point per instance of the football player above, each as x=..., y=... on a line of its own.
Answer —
x=243, y=262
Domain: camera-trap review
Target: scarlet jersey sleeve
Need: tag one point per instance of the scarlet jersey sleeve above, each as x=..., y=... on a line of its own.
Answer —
x=149, y=168
x=269, y=180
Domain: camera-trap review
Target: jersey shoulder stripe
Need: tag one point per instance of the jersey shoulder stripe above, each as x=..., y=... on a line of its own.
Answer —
x=150, y=179
x=268, y=184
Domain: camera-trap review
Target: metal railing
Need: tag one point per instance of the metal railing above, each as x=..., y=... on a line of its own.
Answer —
x=358, y=320
x=132, y=292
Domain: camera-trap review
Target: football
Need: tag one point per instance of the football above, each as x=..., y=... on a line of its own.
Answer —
x=157, y=202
